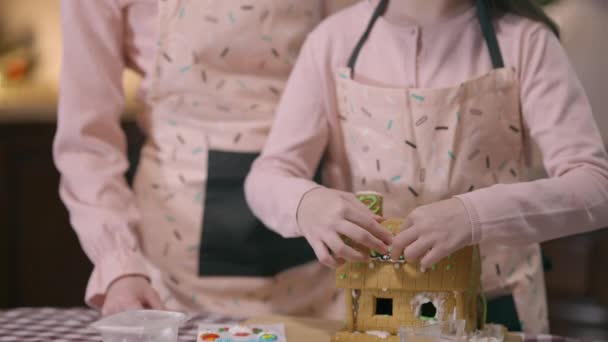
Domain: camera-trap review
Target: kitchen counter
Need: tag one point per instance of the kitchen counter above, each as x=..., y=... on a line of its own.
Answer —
x=36, y=102
x=28, y=103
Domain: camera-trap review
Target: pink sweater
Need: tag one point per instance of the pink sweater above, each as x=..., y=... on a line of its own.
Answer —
x=556, y=114
x=101, y=39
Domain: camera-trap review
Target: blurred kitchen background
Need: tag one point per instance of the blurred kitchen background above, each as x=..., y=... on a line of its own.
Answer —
x=41, y=263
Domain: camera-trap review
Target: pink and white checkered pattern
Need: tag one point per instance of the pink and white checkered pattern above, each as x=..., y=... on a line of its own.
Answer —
x=71, y=325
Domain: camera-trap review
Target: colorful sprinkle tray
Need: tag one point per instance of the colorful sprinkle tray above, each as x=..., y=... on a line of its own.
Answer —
x=241, y=333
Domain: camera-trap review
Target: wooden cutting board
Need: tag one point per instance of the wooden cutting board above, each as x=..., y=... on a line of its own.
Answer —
x=310, y=329
x=302, y=329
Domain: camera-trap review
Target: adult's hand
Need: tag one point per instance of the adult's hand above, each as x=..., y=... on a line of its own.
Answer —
x=130, y=293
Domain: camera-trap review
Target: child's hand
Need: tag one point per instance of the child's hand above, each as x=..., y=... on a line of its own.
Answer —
x=131, y=293
x=326, y=215
x=432, y=232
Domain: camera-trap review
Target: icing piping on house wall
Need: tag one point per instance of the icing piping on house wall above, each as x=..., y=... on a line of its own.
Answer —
x=379, y=334
x=356, y=295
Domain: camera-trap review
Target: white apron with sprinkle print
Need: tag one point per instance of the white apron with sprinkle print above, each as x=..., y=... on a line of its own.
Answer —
x=419, y=146
x=218, y=74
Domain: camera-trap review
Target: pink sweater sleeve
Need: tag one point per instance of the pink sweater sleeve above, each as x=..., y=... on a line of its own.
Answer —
x=282, y=175
x=558, y=118
x=90, y=147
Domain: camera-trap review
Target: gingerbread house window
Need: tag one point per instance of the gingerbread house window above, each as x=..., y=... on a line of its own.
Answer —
x=384, y=306
x=428, y=311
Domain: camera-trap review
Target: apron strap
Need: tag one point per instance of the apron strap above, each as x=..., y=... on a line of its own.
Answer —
x=489, y=34
x=482, y=15
x=378, y=12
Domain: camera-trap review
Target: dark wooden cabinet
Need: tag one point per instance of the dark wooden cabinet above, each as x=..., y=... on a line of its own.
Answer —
x=41, y=262
x=577, y=285
x=4, y=232
x=598, y=271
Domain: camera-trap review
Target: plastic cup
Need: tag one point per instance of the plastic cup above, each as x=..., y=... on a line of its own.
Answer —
x=140, y=326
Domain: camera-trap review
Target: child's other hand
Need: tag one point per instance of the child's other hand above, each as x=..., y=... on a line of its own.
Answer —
x=131, y=293
x=432, y=232
x=326, y=215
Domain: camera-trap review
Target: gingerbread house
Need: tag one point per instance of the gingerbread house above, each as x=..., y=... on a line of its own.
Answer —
x=384, y=295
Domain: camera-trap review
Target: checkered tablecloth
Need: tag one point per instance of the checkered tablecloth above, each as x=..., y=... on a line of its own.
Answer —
x=72, y=325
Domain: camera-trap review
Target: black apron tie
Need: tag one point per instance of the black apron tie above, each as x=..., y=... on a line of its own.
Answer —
x=483, y=16
x=489, y=34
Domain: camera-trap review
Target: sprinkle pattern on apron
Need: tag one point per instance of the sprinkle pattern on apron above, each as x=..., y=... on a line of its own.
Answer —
x=219, y=72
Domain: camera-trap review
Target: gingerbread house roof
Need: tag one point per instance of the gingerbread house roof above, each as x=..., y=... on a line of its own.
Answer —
x=458, y=272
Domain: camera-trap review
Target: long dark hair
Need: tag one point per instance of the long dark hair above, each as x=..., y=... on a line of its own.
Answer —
x=525, y=8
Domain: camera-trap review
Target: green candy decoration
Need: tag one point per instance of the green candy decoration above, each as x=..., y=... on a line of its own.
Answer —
x=372, y=200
